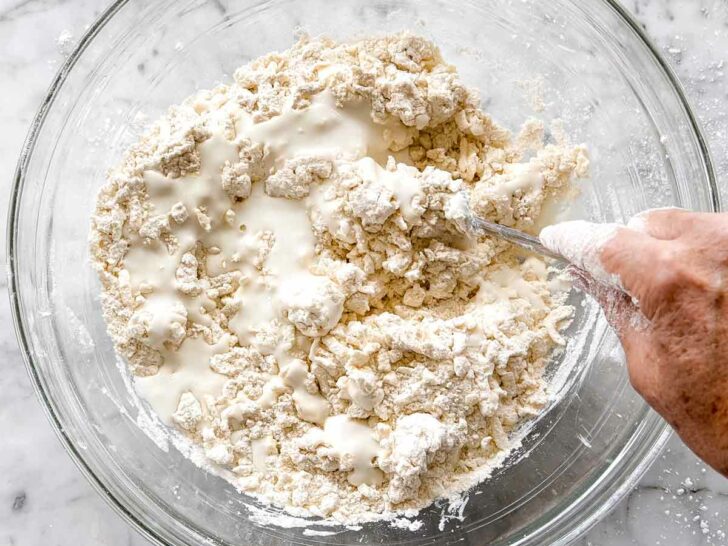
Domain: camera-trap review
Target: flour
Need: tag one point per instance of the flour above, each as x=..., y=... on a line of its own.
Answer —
x=65, y=42
x=285, y=273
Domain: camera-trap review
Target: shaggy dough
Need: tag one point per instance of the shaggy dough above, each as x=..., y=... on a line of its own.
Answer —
x=284, y=271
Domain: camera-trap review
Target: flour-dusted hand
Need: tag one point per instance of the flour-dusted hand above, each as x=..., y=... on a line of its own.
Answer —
x=674, y=263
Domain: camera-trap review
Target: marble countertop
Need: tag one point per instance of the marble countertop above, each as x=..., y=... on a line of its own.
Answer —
x=45, y=500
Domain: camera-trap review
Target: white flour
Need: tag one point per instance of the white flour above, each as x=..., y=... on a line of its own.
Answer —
x=283, y=276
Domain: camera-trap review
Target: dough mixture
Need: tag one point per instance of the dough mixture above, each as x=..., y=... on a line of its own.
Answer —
x=284, y=269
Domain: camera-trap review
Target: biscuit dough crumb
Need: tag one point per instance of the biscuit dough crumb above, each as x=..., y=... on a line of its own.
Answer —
x=284, y=272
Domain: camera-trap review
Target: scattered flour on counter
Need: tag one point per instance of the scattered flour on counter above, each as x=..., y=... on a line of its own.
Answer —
x=285, y=276
x=65, y=42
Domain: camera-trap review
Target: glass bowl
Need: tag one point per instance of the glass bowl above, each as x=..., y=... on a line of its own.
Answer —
x=596, y=72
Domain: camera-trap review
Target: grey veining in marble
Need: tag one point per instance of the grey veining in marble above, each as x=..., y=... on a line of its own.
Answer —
x=44, y=499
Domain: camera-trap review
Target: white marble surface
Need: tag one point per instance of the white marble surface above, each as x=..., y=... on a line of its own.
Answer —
x=44, y=500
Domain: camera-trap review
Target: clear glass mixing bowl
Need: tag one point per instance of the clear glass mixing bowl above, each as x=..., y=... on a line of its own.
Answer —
x=599, y=74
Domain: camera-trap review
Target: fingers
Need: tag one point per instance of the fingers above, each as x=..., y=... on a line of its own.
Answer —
x=645, y=257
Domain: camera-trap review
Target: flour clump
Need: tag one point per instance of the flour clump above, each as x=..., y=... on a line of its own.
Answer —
x=284, y=271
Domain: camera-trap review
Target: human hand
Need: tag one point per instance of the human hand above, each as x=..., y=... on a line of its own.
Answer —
x=674, y=263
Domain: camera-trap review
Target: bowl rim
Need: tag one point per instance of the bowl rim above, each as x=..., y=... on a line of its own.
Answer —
x=581, y=522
